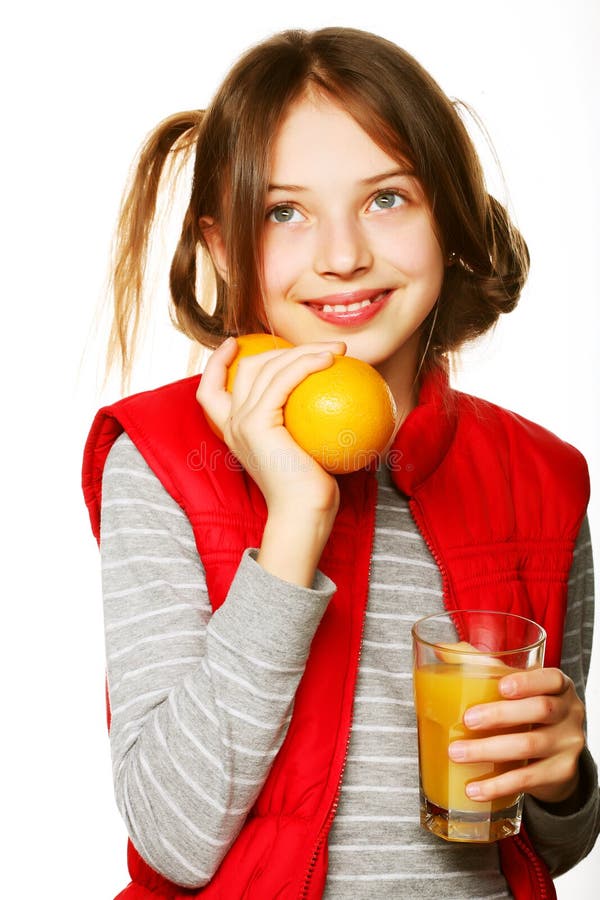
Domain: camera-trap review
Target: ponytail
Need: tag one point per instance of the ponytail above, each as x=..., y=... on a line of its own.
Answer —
x=134, y=228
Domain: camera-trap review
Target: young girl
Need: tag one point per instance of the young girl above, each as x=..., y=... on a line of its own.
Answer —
x=258, y=610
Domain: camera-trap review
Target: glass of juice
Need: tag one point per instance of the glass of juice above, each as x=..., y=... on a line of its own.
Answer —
x=458, y=659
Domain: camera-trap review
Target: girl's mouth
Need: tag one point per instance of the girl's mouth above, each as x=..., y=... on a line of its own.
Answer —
x=356, y=308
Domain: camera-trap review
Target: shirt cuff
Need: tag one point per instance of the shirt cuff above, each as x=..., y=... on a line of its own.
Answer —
x=558, y=836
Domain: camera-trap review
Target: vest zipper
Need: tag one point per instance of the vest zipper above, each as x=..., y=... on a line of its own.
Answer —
x=304, y=892
x=534, y=864
x=325, y=830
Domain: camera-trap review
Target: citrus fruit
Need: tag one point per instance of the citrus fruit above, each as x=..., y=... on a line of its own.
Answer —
x=343, y=416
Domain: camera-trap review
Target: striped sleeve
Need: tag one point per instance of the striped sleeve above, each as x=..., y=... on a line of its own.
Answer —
x=200, y=702
x=564, y=840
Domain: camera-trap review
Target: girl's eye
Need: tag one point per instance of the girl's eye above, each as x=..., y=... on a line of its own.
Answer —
x=284, y=213
x=387, y=200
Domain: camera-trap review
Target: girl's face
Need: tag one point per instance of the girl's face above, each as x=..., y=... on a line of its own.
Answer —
x=349, y=250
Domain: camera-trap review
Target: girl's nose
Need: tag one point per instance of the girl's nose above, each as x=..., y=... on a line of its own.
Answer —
x=342, y=249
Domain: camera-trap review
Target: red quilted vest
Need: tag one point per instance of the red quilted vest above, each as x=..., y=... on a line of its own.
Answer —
x=499, y=502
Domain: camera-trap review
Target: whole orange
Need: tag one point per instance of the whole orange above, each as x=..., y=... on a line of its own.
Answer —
x=342, y=416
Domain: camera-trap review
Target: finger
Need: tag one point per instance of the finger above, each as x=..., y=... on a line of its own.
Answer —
x=532, y=744
x=518, y=780
x=544, y=709
x=542, y=778
x=211, y=393
x=256, y=372
x=534, y=681
x=264, y=404
x=262, y=381
x=214, y=376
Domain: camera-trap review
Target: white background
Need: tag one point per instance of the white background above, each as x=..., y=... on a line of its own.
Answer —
x=82, y=84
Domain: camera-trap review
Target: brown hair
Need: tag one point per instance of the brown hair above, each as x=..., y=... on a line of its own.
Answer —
x=401, y=108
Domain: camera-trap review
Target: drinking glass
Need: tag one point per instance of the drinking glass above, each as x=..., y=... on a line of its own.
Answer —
x=458, y=660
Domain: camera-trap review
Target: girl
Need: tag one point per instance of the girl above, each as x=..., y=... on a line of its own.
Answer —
x=258, y=610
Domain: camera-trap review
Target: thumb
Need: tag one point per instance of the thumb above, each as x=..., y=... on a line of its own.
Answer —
x=212, y=394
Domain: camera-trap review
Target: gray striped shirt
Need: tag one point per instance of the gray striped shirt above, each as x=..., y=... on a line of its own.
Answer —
x=201, y=701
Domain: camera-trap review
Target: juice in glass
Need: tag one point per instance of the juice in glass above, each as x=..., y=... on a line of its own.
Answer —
x=443, y=693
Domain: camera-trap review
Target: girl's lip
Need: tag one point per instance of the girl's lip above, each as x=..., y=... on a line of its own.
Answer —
x=349, y=317
x=347, y=298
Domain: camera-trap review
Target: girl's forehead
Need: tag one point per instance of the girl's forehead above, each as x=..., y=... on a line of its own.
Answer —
x=317, y=138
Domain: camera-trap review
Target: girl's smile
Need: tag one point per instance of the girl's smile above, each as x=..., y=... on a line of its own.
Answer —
x=349, y=250
x=351, y=308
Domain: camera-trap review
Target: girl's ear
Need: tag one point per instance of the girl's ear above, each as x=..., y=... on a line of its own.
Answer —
x=212, y=234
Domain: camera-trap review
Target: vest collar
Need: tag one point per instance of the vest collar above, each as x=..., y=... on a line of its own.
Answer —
x=426, y=434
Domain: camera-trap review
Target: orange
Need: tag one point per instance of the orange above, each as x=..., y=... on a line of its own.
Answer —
x=343, y=416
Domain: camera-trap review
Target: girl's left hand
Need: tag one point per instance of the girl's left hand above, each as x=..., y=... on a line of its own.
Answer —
x=546, y=700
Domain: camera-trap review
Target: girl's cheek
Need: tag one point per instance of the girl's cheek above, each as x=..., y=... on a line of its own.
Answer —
x=421, y=253
x=284, y=259
x=408, y=243
x=423, y=257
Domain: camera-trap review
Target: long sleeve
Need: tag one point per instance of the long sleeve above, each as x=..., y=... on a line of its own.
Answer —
x=200, y=702
x=563, y=840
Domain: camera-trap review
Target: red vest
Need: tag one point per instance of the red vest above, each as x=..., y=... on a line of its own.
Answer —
x=499, y=502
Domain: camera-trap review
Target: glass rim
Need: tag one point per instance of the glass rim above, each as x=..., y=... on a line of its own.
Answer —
x=448, y=614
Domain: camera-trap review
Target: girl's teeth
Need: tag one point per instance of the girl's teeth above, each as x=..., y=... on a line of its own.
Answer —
x=352, y=307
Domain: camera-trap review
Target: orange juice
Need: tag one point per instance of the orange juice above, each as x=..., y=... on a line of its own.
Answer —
x=442, y=694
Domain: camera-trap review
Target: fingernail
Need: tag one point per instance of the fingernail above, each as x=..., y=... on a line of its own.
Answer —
x=473, y=790
x=508, y=687
x=456, y=752
x=472, y=718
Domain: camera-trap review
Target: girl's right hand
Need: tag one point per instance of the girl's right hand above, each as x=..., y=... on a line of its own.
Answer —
x=302, y=498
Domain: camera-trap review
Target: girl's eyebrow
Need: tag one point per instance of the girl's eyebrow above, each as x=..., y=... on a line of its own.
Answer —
x=402, y=170
x=372, y=179
x=286, y=187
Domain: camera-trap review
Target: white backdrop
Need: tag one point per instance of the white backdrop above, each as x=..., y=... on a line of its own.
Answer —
x=83, y=83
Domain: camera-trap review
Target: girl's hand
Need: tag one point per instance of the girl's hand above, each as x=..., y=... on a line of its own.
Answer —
x=302, y=498
x=545, y=699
